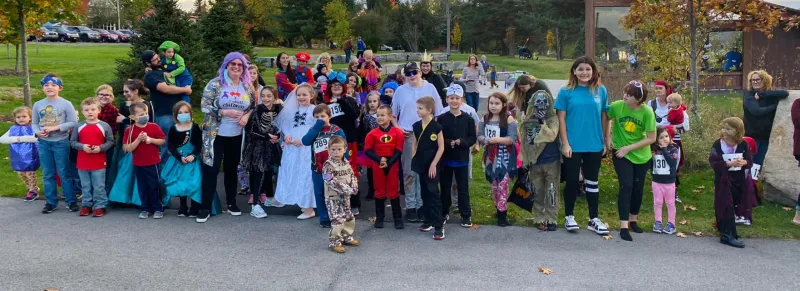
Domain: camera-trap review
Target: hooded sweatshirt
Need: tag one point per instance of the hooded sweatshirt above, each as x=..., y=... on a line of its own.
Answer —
x=539, y=131
x=760, y=114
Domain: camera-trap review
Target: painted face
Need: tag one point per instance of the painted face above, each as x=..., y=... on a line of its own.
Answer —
x=304, y=96
x=383, y=117
x=51, y=89
x=495, y=105
x=336, y=151
x=323, y=116
x=373, y=101
x=422, y=111
x=663, y=139
x=129, y=94
x=235, y=69
x=22, y=118
x=584, y=73
x=757, y=82
x=169, y=53
x=426, y=68
x=454, y=101
x=105, y=97
x=728, y=132
x=266, y=97
x=661, y=91
x=388, y=92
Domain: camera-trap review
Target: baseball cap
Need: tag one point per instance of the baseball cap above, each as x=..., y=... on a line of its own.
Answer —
x=303, y=56
x=410, y=66
x=455, y=89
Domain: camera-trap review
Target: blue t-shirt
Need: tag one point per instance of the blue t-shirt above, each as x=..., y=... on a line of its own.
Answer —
x=551, y=153
x=584, y=109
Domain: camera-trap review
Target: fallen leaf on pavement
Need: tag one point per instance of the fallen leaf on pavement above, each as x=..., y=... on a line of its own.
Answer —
x=683, y=221
x=608, y=237
x=371, y=219
x=545, y=271
x=697, y=233
x=474, y=227
x=680, y=235
x=787, y=208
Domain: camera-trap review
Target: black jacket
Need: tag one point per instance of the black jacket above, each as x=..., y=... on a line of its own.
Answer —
x=759, y=114
x=461, y=127
x=438, y=83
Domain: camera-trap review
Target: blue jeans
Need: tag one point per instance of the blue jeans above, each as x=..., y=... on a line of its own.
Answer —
x=347, y=53
x=54, y=156
x=763, y=146
x=94, y=188
x=473, y=99
x=319, y=196
x=165, y=122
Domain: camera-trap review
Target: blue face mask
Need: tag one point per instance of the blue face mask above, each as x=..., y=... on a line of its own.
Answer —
x=143, y=120
x=184, y=117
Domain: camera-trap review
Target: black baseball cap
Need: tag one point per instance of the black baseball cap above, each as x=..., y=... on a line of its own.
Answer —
x=410, y=66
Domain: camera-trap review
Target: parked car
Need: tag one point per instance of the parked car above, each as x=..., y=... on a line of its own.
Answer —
x=44, y=34
x=106, y=36
x=122, y=37
x=86, y=34
x=130, y=33
x=64, y=34
x=386, y=48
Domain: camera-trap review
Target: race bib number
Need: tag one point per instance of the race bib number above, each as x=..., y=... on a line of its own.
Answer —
x=660, y=166
x=321, y=145
x=755, y=171
x=731, y=157
x=492, y=131
x=336, y=110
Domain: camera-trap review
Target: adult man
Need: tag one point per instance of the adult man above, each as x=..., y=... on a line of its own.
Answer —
x=361, y=46
x=404, y=109
x=348, y=49
x=426, y=66
x=485, y=66
x=162, y=95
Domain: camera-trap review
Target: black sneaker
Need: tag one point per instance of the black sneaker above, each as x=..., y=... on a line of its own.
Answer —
x=438, y=234
x=420, y=215
x=378, y=223
x=203, y=216
x=48, y=208
x=193, y=212
x=325, y=224
x=398, y=224
x=552, y=227
x=74, y=207
x=466, y=221
x=183, y=212
x=411, y=215
x=234, y=210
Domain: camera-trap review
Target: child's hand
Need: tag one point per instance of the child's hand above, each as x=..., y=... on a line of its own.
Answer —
x=189, y=159
x=383, y=163
x=452, y=143
x=142, y=136
x=42, y=133
x=432, y=172
x=273, y=138
x=297, y=142
x=53, y=128
x=120, y=118
x=168, y=75
x=87, y=148
x=288, y=139
x=95, y=149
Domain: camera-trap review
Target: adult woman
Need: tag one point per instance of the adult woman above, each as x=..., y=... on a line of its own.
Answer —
x=285, y=77
x=760, y=103
x=581, y=107
x=471, y=75
x=325, y=58
x=228, y=100
x=121, y=179
x=352, y=67
x=633, y=130
x=661, y=110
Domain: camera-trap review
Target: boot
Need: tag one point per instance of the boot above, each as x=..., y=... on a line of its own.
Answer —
x=796, y=219
x=380, y=212
x=420, y=215
x=397, y=213
x=730, y=240
x=502, y=218
x=411, y=215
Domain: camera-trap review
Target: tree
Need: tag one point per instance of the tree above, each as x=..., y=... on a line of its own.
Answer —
x=556, y=17
x=221, y=31
x=22, y=12
x=262, y=19
x=338, y=21
x=372, y=28
x=199, y=8
x=551, y=40
x=414, y=23
x=302, y=19
x=456, y=34
x=168, y=22
x=672, y=29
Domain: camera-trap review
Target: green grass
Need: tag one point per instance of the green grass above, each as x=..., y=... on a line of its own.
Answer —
x=83, y=68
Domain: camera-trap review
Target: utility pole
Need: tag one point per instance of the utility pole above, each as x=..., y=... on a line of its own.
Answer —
x=119, y=23
x=447, y=14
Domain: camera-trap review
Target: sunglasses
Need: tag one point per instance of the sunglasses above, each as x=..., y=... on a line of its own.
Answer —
x=638, y=85
x=232, y=64
x=411, y=73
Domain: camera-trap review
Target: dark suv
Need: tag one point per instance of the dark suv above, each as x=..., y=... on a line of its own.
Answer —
x=86, y=34
x=65, y=34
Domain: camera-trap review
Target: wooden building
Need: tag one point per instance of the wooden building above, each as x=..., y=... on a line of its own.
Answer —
x=610, y=46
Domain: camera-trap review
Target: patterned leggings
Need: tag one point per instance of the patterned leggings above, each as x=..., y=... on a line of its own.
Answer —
x=29, y=178
x=500, y=192
x=342, y=221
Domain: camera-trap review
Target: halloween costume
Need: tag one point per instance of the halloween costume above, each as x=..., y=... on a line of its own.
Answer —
x=176, y=67
x=541, y=153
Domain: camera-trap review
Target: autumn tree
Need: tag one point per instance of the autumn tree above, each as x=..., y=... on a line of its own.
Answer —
x=372, y=27
x=338, y=29
x=456, y=34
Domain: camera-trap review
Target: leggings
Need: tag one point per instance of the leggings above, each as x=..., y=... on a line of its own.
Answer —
x=29, y=178
x=631, y=186
x=590, y=163
x=261, y=182
x=227, y=149
x=664, y=194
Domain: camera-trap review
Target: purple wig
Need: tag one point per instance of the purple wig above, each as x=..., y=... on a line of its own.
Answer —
x=230, y=57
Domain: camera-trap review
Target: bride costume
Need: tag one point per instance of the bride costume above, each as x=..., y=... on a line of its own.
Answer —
x=295, y=186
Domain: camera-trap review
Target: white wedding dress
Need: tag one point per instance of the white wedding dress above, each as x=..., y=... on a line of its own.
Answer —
x=295, y=186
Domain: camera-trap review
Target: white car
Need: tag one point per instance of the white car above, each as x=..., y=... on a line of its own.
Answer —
x=386, y=48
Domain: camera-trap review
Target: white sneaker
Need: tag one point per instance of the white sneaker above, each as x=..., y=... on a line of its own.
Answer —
x=272, y=203
x=258, y=212
x=597, y=226
x=747, y=222
x=304, y=216
x=740, y=220
x=570, y=224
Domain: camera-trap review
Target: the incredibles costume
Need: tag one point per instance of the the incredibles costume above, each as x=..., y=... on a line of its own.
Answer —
x=386, y=143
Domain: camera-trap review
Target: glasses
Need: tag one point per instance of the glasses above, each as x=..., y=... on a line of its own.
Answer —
x=411, y=73
x=103, y=95
x=232, y=64
x=638, y=85
x=755, y=80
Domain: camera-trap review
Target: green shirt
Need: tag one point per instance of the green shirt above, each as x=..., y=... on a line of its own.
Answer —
x=631, y=126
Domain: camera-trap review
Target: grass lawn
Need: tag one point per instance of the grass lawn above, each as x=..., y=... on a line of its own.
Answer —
x=83, y=68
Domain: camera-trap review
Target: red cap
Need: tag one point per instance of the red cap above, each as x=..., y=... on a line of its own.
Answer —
x=303, y=56
x=662, y=83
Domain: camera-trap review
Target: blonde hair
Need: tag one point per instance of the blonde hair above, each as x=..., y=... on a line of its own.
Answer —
x=105, y=87
x=91, y=101
x=311, y=92
x=327, y=56
x=766, y=79
x=22, y=109
x=737, y=124
x=368, y=53
x=427, y=103
x=675, y=96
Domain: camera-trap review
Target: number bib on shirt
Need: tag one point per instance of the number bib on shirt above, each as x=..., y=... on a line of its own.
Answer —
x=321, y=145
x=660, y=166
x=731, y=157
x=755, y=171
x=336, y=110
x=492, y=131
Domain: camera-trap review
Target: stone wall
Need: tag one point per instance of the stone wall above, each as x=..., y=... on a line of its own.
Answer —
x=781, y=174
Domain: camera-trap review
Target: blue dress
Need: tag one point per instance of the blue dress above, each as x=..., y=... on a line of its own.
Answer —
x=182, y=180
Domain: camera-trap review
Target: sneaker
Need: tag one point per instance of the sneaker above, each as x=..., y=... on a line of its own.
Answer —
x=304, y=216
x=271, y=202
x=740, y=220
x=31, y=196
x=325, y=224
x=74, y=207
x=258, y=212
x=747, y=222
x=203, y=216
x=352, y=242
x=193, y=212
x=355, y=211
x=570, y=224
x=678, y=199
x=438, y=234
x=337, y=249
x=597, y=226
x=466, y=221
x=426, y=228
x=411, y=215
x=552, y=226
x=234, y=210
x=48, y=208
x=144, y=215
x=158, y=215
x=183, y=212
x=85, y=211
x=670, y=229
x=657, y=227
x=99, y=212
x=250, y=200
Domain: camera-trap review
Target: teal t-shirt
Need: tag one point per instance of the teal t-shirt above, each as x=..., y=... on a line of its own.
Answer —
x=584, y=109
x=630, y=126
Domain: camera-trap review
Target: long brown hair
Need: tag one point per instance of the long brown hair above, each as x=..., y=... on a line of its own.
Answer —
x=594, y=83
x=503, y=116
x=477, y=61
x=517, y=96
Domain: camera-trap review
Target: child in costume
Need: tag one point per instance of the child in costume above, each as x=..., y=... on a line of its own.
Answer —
x=368, y=120
x=344, y=114
x=744, y=214
x=304, y=73
x=369, y=70
x=497, y=133
x=175, y=67
x=541, y=153
x=143, y=140
x=294, y=121
x=387, y=92
x=262, y=153
x=426, y=153
x=181, y=173
x=340, y=184
x=92, y=138
x=318, y=137
x=384, y=146
x=122, y=179
x=23, y=150
x=458, y=129
x=665, y=164
x=730, y=155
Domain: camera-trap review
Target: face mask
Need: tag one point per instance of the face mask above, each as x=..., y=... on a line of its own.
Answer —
x=184, y=117
x=142, y=120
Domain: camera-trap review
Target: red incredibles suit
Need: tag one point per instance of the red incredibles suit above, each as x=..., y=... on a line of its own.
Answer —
x=385, y=143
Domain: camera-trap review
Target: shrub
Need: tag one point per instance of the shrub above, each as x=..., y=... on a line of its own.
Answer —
x=705, y=126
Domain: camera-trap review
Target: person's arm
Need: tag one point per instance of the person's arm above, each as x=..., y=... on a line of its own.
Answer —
x=548, y=132
x=369, y=150
x=512, y=132
x=159, y=140
x=349, y=106
x=562, y=131
x=670, y=154
x=172, y=144
x=751, y=105
x=207, y=102
x=181, y=66
x=173, y=90
x=439, y=152
x=470, y=138
x=35, y=121
x=482, y=132
x=8, y=139
x=748, y=157
x=109, y=134
x=463, y=74
x=197, y=140
x=773, y=95
x=283, y=82
x=647, y=141
x=73, y=140
x=71, y=116
x=130, y=145
x=312, y=133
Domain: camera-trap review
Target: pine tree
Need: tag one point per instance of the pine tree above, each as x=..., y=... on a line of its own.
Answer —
x=303, y=19
x=167, y=23
x=222, y=32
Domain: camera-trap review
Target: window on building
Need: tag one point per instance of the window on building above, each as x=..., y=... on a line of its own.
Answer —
x=613, y=43
x=722, y=52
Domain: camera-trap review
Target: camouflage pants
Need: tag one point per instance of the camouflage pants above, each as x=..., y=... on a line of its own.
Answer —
x=343, y=223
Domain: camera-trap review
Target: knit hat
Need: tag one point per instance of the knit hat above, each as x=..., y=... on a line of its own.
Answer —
x=390, y=85
x=147, y=56
x=662, y=83
x=303, y=56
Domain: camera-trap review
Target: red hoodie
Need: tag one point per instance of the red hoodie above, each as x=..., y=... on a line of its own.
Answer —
x=675, y=116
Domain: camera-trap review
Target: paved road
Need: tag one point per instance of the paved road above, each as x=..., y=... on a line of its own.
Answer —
x=121, y=252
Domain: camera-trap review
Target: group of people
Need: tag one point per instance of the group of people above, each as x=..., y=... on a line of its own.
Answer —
x=411, y=135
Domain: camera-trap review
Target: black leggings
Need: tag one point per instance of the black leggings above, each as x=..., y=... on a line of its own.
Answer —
x=229, y=150
x=462, y=183
x=590, y=163
x=371, y=186
x=631, y=186
x=261, y=182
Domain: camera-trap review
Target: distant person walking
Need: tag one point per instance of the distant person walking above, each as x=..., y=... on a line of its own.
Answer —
x=361, y=46
x=348, y=49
